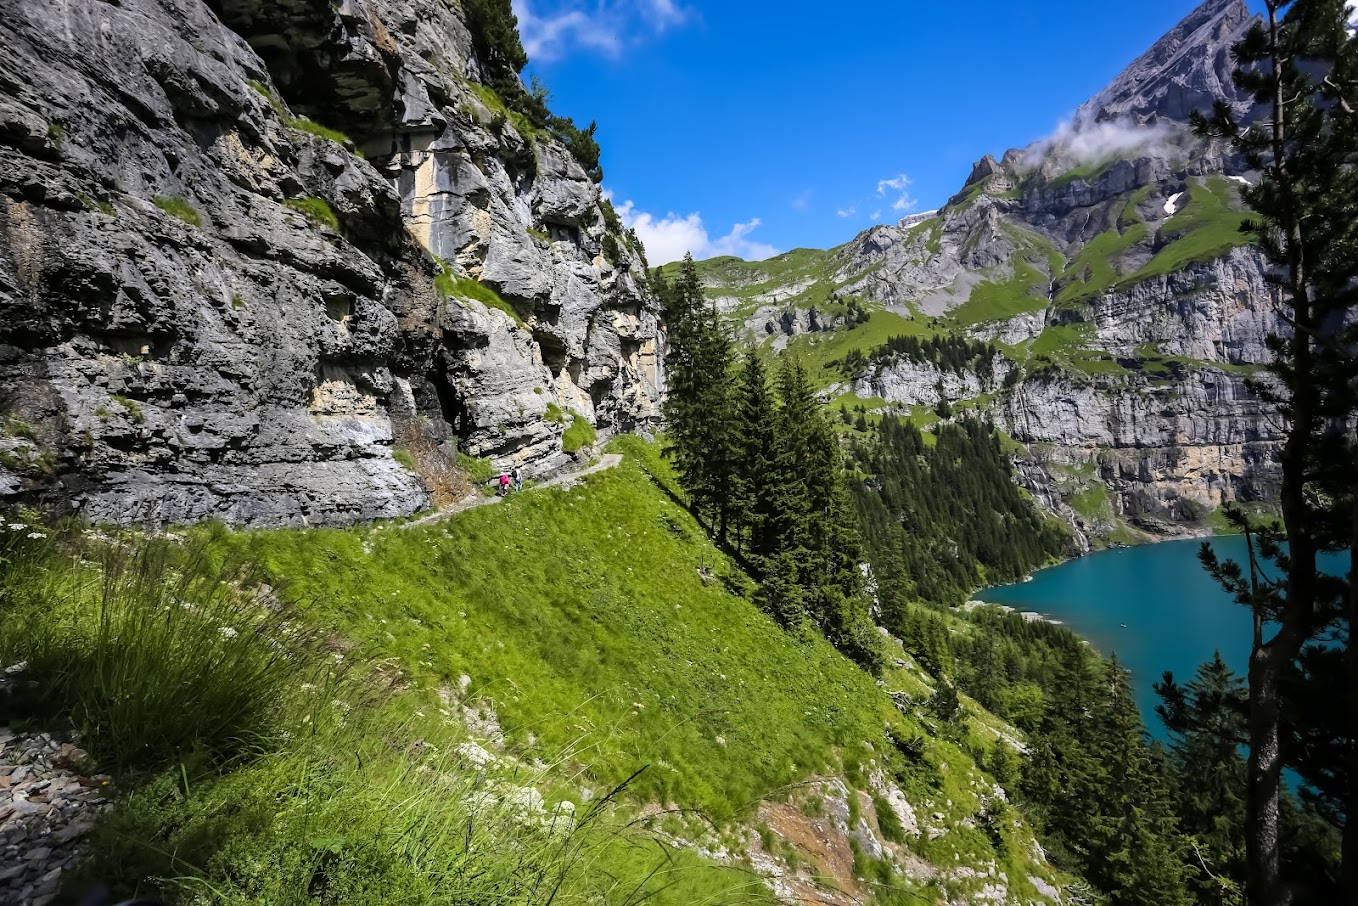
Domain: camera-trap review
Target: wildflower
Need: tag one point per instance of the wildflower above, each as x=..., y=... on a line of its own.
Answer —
x=37, y=536
x=17, y=526
x=338, y=657
x=228, y=632
x=307, y=687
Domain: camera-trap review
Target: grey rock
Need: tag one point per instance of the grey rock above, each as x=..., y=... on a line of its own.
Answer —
x=1186, y=70
x=73, y=831
x=259, y=367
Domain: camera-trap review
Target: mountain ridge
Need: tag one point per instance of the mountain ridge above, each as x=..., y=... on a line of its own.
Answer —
x=1106, y=263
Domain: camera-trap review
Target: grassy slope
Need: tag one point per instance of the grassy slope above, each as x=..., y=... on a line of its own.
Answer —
x=1206, y=227
x=747, y=281
x=585, y=616
x=607, y=633
x=647, y=660
x=817, y=351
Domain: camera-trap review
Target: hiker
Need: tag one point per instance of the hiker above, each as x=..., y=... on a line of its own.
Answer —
x=518, y=479
x=504, y=483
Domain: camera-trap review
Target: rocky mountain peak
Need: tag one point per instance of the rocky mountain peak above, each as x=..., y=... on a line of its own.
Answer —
x=1186, y=70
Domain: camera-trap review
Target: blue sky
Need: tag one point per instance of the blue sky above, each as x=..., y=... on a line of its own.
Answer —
x=751, y=127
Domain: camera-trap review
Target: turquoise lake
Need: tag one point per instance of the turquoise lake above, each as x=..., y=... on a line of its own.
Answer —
x=1175, y=616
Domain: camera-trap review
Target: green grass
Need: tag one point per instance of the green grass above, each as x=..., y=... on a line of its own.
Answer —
x=263, y=91
x=1087, y=172
x=311, y=127
x=818, y=351
x=498, y=108
x=180, y=208
x=466, y=288
x=1130, y=214
x=555, y=414
x=969, y=194
x=999, y=301
x=405, y=458
x=97, y=204
x=1205, y=228
x=13, y=426
x=578, y=436
x=649, y=662
x=300, y=123
x=131, y=407
x=251, y=769
x=597, y=666
x=152, y=658
x=317, y=210
x=934, y=227
x=1067, y=345
x=1220, y=525
x=1092, y=503
x=478, y=471
x=752, y=283
x=1096, y=268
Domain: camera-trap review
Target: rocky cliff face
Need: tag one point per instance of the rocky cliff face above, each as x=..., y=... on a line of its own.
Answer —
x=212, y=307
x=1188, y=69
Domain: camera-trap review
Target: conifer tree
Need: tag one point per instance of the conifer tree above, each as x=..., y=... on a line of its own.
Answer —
x=1207, y=725
x=1298, y=64
x=764, y=477
x=699, y=407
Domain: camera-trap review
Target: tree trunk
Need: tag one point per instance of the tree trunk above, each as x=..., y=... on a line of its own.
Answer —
x=1264, y=883
x=1350, y=850
x=1271, y=660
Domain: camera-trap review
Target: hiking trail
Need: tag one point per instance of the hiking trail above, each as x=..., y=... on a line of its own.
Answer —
x=477, y=499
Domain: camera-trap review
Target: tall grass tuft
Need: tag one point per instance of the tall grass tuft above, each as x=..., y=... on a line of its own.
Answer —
x=150, y=652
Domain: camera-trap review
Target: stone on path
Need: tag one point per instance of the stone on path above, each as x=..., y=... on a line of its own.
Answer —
x=46, y=810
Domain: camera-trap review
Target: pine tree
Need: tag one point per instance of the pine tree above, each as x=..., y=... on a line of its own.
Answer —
x=699, y=406
x=760, y=483
x=716, y=414
x=1207, y=725
x=1298, y=63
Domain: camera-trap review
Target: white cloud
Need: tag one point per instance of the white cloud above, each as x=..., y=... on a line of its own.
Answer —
x=1094, y=142
x=1353, y=16
x=898, y=186
x=671, y=237
x=875, y=216
x=847, y=212
x=603, y=26
x=661, y=14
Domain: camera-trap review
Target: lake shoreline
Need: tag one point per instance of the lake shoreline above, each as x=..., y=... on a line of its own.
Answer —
x=974, y=601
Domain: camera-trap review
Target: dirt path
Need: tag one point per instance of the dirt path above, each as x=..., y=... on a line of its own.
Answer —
x=477, y=499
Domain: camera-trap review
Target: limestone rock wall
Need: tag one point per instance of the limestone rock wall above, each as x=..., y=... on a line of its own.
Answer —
x=207, y=310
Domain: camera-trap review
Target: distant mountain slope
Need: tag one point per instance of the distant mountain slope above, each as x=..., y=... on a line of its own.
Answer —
x=1188, y=69
x=1106, y=265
